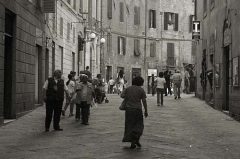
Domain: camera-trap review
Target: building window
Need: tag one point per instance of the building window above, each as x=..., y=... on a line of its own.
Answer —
x=121, y=45
x=68, y=31
x=153, y=49
x=137, y=47
x=74, y=32
x=136, y=15
x=152, y=18
x=109, y=43
x=61, y=55
x=109, y=9
x=61, y=27
x=73, y=61
x=170, y=21
x=170, y=54
x=204, y=7
x=191, y=18
x=121, y=8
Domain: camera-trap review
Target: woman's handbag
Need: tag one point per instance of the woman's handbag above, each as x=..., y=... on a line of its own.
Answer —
x=123, y=105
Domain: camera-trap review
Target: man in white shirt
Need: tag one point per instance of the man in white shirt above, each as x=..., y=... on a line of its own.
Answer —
x=111, y=83
x=160, y=82
x=53, y=93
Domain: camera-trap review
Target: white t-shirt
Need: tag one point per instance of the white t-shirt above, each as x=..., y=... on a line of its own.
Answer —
x=71, y=87
x=160, y=82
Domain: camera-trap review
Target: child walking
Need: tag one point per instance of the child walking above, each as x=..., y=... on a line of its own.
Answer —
x=160, y=82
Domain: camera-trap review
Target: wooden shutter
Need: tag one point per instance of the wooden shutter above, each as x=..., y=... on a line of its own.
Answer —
x=119, y=38
x=166, y=20
x=135, y=15
x=176, y=23
x=136, y=47
x=109, y=9
x=190, y=23
x=170, y=54
x=61, y=26
x=68, y=31
x=138, y=13
x=121, y=5
x=150, y=19
x=153, y=49
x=124, y=46
x=154, y=18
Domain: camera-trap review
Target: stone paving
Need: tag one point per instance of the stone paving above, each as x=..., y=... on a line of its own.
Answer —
x=181, y=129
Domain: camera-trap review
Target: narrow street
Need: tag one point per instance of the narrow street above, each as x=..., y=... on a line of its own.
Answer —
x=186, y=128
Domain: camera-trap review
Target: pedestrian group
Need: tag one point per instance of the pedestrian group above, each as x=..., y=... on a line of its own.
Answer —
x=87, y=91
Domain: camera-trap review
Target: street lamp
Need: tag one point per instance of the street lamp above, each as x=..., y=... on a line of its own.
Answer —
x=103, y=40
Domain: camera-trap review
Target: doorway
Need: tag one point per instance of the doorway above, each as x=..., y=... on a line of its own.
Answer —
x=109, y=73
x=38, y=75
x=8, y=65
x=226, y=77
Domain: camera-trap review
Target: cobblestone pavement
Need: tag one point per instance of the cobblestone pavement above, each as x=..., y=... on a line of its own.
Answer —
x=185, y=128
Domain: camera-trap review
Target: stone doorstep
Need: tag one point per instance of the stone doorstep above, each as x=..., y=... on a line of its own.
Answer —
x=7, y=121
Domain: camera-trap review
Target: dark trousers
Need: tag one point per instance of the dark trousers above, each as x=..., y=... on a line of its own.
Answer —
x=85, y=111
x=160, y=92
x=167, y=88
x=111, y=89
x=53, y=108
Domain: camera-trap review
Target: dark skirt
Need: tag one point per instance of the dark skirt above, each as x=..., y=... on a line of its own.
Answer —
x=133, y=125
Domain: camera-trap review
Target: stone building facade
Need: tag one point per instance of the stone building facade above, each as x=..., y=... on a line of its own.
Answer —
x=147, y=36
x=218, y=54
x=65, y=33
x=22, y=44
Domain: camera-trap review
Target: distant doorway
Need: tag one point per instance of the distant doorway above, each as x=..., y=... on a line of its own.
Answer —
x=226, y=78
x=136, y=72
x=108, y=73
x=38, y=75
x=8, y=65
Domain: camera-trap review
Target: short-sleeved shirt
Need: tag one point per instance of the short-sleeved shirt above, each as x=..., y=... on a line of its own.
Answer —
x=134, y=96
x=160, y=82
x=71, y=87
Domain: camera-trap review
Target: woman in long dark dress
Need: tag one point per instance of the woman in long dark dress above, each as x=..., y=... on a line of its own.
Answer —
x=135, y=96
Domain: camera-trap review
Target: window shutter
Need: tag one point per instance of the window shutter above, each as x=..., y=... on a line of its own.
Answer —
x=176, y=23
x=154, y=18
x=121, y=12
x=136, y=47
x=150, y=18
x=190, y=23
x=124, y=46
x=135, y=15
x=138, y=13
x=170, y=54
x=119, y=45
x=68, y=31
x=61, y=26
x=165, y=21
x=153, y=49
x=109, y=9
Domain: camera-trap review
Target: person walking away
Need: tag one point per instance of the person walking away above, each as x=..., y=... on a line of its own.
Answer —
x=160, y=82
x=54, y=89
x=111, y=83
x=88, y=73
x=177, y=80
x=167, y=88
x=84, y=98
x=135, y=96
x=71, y=89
